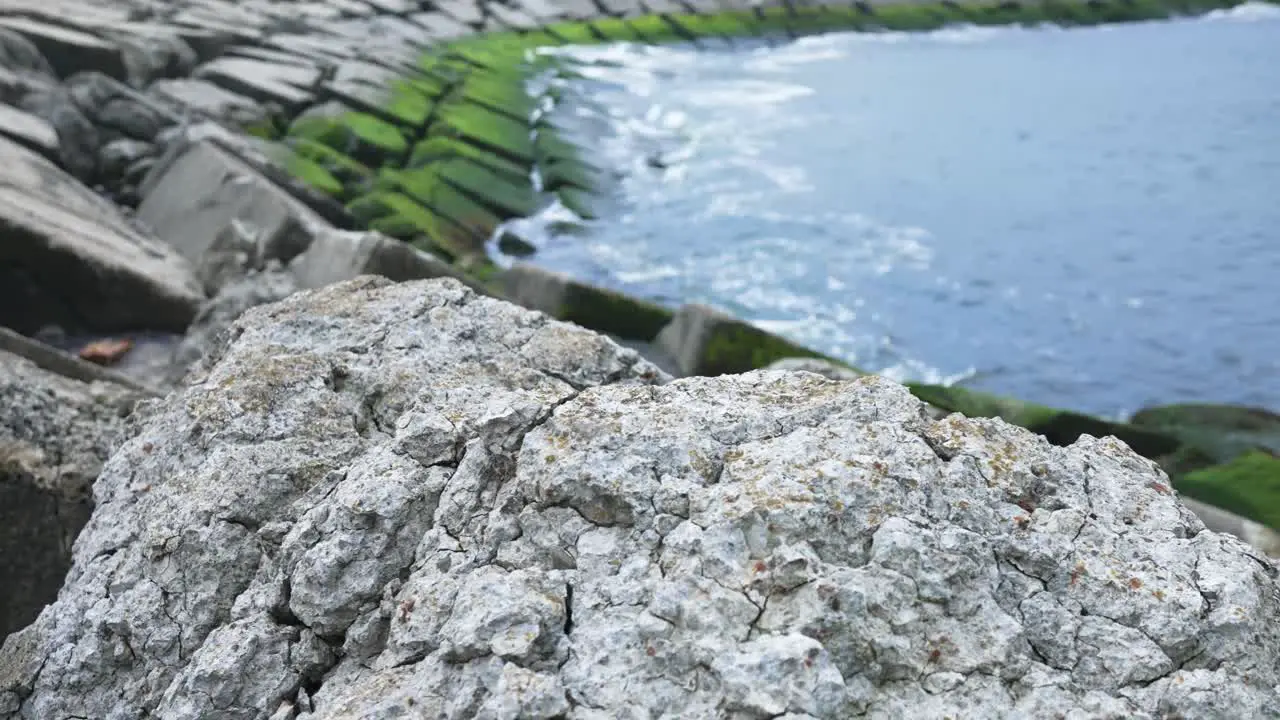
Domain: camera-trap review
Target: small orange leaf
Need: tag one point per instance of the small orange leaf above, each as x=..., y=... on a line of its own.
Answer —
x=105, y=352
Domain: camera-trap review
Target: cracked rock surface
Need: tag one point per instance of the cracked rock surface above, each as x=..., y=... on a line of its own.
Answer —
x=382, y=501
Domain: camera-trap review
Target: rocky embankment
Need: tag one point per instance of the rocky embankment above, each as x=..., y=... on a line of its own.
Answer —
x=372, y=496
x=408, y=500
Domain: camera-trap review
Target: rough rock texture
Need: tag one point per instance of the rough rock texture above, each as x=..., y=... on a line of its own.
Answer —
x=406, y=500
x=825, y=368
x=55, y=434
x=216, y=316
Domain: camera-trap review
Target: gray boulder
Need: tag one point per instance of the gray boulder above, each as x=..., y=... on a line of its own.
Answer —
x=379, y=500
x=29, y=131
x=118, y=110
x=19, y=53
x=55, y=434
x=78, y=138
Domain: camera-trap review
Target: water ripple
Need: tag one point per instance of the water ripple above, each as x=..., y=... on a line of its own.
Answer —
x=1083, y=218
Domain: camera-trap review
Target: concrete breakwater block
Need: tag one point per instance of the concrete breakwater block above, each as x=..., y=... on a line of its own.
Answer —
x=595, y=308
x=193, y=195
x=707, y=341
x=71, y=259
x=69, y=50
x=31, y=131
x=335, y=255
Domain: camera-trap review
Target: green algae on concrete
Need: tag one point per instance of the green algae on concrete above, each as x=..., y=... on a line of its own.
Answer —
x=1212, y=436
x=612, y=312
x=451, y=156
x=1221, y=431
x=1249, y=486
x=361, y=136
x=740, y=347
x=565, y=298
x=1060, y=427
x=324, y=168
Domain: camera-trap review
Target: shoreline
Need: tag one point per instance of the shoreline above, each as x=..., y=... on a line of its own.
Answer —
x=499, y=64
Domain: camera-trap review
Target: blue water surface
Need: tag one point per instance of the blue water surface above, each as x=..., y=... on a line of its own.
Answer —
x=1085, y=218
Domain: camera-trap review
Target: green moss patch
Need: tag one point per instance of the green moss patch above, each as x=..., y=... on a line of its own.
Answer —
x=480, y=126
x=507, y=197
x=310, y=172
x=913, y=18
x=349, y=172
x=732, y=346
x=1210, y=434
x=359, y=135
x=503, y=94
x=1233, y=429
x=1249, y=485
x=658, y=29
x=411, y=102
x=428, y=187
x=612, y=312
x=403, y=217
x=439, y=149
x=616, y=30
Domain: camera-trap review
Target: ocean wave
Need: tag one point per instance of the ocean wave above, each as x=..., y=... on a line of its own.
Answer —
x=1248, y=12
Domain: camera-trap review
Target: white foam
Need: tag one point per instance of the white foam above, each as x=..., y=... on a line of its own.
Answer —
x=1248, y=12
x=912, y=370
x=815, y=48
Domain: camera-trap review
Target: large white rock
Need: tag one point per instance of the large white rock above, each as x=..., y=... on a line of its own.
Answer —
x=411, y=501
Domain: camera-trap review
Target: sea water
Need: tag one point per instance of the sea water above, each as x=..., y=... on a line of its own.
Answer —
x=1086, y=218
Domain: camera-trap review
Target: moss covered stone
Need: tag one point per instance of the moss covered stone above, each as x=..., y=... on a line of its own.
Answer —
x=612, y=312
x=439, y=149
x=311, y=172
x=361, y=136
x=472, y=222
x=1229, y=430
x=507, y=196
x=411, y=102
x=1060, y=427
x=352, y=176
x=497, y=132
x=1210, y=434
x=1249, y=485
x=403, y=217
x=740, y=347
